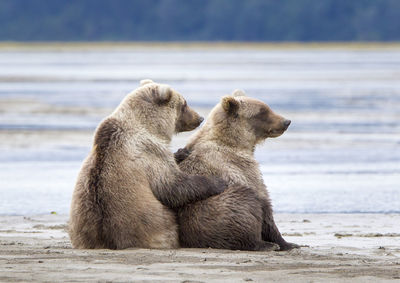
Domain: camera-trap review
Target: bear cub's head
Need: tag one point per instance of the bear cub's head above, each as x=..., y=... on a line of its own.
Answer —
x=163, y=104
x=247, y=117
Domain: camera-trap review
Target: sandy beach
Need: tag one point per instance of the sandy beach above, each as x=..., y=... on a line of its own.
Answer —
x=335, y=248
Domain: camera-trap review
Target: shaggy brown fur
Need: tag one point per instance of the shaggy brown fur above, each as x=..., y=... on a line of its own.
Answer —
x=224, y=147
x=129, y=183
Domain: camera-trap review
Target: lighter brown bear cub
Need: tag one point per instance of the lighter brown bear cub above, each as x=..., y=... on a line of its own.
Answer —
x=129, y=184
x=224, y=147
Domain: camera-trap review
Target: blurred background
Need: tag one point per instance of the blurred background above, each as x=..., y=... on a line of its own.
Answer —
x=331, y=66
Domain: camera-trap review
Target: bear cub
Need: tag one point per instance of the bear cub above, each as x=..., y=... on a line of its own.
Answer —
x=130, y=185
x=224, y=147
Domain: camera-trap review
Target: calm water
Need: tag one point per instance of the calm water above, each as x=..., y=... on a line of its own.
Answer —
x=340, y=154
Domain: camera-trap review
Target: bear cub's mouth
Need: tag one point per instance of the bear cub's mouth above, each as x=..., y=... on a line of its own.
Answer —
x=275, y=133
x=278, y=132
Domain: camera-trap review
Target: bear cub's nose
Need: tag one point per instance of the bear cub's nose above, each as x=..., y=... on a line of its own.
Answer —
x=201, y=119
x=286, y=123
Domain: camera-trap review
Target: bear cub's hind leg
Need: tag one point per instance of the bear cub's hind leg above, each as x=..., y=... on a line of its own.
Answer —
x=270, y=232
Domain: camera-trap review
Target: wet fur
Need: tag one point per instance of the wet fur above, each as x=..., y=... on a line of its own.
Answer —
x=221, y=222
x=240, y=217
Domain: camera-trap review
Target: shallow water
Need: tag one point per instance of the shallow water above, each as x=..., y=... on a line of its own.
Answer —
x=341, y=153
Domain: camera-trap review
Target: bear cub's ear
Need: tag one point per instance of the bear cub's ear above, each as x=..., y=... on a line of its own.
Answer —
x=145, y=82
x=238, y=92
x=230, y=105
x=164, y=95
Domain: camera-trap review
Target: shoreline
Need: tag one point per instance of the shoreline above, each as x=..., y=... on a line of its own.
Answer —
x=237, y=45
x=335, y=247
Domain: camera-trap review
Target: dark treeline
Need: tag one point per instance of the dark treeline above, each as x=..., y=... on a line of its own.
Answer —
x=198, y=20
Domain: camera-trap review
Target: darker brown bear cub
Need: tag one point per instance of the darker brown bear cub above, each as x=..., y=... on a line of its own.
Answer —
x=130, y=185
x=224, y=147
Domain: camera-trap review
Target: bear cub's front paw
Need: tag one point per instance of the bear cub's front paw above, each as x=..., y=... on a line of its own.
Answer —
x=181, y=155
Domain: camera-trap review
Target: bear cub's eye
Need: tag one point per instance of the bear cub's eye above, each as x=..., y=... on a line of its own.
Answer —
x=262, y=115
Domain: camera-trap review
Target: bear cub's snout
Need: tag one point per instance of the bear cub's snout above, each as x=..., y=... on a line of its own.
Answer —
x=286, y=123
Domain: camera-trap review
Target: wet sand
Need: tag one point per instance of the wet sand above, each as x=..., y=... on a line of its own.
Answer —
x=343, y=101
x=335, y=248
